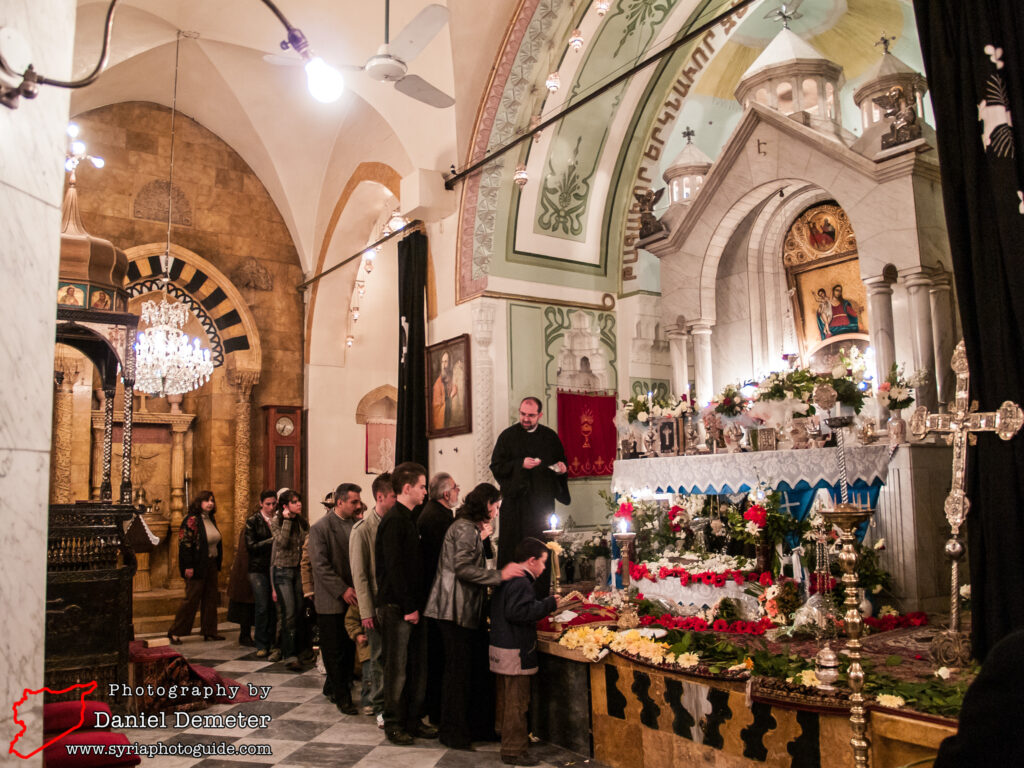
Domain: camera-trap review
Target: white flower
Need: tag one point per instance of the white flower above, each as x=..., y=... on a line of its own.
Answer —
x=687, y=659
x=899, y=393
x=641, y=417
x=965, y=591
x=880, y=544
x=656, y=411
x=839, y=371
x=942, y=672
x=807, y=677
x=751, y=528
x=888, y=700
x=717, y=527
x=888, y=610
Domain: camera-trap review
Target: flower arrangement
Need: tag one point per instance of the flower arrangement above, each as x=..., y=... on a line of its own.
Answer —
x=656, y=531
x=762, y=522
x=730, y=402
x=895, y=392
x=849, y=377
x=593, y=546
x=796, y=385
x=639, y=571
x=643, y=408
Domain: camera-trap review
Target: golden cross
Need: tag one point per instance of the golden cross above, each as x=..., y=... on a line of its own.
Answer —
x=958, y=429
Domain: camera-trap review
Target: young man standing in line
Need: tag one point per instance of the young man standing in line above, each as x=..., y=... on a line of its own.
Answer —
x=401, y=596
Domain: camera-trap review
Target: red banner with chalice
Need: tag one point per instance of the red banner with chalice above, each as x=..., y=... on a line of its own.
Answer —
x=586, y=427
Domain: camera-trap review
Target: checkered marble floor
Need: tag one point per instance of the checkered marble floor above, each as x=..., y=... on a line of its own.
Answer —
x=306, y=729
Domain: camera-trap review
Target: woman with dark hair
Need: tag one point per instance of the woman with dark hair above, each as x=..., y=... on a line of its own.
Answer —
x=199, y=558
x=290, y=529
x=457, y=602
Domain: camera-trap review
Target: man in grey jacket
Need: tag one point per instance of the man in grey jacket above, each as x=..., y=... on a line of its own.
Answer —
x=333, y=592
x=364, y=579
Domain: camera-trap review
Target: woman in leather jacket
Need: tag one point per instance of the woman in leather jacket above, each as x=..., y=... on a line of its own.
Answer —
x=199, y=557
x=457, y=602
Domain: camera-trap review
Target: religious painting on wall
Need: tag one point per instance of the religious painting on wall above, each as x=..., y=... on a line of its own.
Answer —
x=823, y=272
x=380, y=446
x=72, y=294
x=449, y=408
x=101, y=299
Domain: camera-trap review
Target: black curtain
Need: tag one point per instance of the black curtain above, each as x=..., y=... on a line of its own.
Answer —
x=975, y=68
x=411, y=436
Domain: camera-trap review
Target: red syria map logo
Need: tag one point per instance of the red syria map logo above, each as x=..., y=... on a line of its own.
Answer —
x=84, y=688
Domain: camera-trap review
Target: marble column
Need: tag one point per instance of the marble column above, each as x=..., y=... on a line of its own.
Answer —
x=177, y=503
x=63, y=407
x=483, y=387
x=918, y=291
x=243, y=381
x=881, y=330
x=943, y=336
x=705, y=386
x=96, y=459
x=678, y=339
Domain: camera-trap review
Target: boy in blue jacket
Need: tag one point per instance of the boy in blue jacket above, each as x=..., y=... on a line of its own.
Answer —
x=515, y=611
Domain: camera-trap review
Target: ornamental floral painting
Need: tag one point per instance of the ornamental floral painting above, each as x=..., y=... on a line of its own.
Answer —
x=823, y=272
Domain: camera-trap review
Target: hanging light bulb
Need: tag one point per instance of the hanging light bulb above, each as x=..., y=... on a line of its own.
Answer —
x=77, y=152
x=368, y=257
x=355, y=314
x=349, y=340
x=361, y=287
x=324, y=81
x=576, y=40
x=553, y=82
x=520, y=177
x=602, y=6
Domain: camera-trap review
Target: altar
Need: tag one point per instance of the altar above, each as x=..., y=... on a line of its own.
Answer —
x=905, y=487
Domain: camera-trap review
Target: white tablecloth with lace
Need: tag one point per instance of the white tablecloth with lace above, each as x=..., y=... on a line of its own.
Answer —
x=867, y=465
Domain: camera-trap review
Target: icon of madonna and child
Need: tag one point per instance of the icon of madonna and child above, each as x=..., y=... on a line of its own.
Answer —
x=836, y=315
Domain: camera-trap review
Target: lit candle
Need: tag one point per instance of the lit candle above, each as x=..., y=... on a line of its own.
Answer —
x=650, y=398
x=553, y=522
x=622, y=525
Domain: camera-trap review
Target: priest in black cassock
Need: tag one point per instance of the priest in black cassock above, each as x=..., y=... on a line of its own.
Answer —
x=529, y=463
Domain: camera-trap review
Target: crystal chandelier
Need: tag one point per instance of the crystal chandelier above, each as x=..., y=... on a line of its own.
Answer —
x=166, y=362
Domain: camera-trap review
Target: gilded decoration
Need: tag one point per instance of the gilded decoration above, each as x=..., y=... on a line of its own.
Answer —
x=822, y=232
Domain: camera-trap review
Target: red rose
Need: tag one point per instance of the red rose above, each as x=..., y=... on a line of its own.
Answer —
x=625, y=510
x=726, y=401
x=765, y=579
x=684, y=578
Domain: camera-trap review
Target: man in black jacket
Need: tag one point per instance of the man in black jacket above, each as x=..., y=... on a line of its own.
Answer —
x=401, y=595
x=258, y=541
x=433, y=523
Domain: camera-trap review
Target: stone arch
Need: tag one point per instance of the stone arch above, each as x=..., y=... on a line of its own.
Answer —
x=374, y=396
x=365, y=172
x=210, y=294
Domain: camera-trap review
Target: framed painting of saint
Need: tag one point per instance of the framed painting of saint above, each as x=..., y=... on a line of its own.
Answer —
x=449, y=404
x=823, y=273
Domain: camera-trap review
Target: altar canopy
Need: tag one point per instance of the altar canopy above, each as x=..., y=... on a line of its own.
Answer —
x=799, y=475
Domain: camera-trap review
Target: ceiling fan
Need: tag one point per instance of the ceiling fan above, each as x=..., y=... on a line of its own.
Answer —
x=391, y=62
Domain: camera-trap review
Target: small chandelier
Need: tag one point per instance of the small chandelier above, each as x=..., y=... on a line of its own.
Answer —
x=368, y=257
x=396, y=222
x=166, y=362
x=553, y=82
x=602, y=6
x=576, y=40
x=349, y=340
x=355, y=314
x=520, y=177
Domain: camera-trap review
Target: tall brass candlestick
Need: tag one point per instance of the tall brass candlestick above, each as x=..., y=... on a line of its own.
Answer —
x=847, y=517
x=553, y=535
x=624, y=538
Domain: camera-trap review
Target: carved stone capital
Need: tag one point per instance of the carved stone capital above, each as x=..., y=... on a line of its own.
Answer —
x=243, y=380
x=483, y=321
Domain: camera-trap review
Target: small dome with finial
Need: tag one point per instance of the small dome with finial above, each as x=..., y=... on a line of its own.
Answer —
x=685, y=175
x=92, y=269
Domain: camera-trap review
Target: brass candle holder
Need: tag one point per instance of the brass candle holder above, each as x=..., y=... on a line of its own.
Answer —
x=847, y=517
x=553, y=535
x=624, y=539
